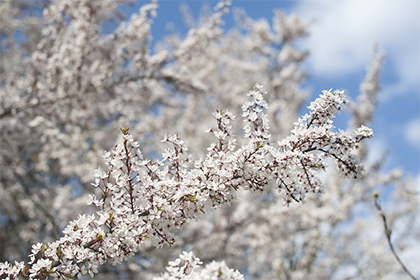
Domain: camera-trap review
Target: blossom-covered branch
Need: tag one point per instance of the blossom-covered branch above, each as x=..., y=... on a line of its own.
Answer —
x=144, y=199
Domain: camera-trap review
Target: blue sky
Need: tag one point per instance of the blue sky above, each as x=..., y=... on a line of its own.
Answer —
x=341, y=42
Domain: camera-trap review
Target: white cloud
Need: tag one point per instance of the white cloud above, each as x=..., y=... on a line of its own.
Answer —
x=412, y=133
x=345, y=31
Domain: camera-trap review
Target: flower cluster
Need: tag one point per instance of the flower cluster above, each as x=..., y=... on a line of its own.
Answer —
x=144, y=199
x=187, y=267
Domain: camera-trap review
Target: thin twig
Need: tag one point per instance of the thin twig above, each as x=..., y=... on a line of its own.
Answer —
x=388, y=232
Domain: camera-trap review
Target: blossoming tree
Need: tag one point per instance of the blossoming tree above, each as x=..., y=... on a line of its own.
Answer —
x=70, y=90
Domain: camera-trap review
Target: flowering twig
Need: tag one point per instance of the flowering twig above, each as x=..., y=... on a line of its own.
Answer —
x=144, y=199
